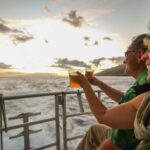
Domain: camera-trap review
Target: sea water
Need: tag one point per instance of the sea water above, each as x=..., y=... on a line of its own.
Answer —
x=21, y=85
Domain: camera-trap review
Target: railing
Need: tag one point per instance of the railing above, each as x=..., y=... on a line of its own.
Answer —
x=60, y=99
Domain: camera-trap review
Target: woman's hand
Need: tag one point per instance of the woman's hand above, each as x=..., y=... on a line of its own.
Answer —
x=81, y=79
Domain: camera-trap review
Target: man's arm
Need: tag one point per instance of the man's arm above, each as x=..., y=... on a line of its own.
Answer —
x=121, y=116
x=113, y=93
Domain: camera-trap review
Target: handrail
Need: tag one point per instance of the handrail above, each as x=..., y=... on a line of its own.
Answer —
x=60, y=99
x=43, y=94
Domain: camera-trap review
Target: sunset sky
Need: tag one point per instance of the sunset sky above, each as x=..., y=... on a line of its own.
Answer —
x=50, y=35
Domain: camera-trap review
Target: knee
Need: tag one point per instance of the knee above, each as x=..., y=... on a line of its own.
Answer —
x=95, y=127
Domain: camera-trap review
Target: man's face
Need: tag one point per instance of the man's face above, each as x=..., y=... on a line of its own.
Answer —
x=130, y=60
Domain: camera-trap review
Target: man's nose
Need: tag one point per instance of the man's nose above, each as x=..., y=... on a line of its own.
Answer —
x=124, y=61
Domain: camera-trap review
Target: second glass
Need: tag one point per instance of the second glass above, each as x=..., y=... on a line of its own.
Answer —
x=89, y=72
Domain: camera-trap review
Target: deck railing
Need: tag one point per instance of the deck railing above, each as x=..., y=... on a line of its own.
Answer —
x=59, y=99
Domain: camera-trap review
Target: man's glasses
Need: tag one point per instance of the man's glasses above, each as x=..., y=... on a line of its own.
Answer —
x=128, y=52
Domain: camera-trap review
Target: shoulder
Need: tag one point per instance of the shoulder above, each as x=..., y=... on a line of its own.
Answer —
x=136, y=102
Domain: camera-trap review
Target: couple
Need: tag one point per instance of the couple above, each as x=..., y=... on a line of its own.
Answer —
x=121, y=117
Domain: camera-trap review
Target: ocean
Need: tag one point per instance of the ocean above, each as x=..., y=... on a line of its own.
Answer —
x=21, y=85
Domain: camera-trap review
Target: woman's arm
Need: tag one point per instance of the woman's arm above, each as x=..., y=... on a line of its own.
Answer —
x=121, y=116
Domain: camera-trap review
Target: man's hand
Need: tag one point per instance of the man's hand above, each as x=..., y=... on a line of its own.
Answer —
x=93, y=80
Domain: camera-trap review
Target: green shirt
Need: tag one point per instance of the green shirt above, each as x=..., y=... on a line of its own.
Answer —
x=125, y=139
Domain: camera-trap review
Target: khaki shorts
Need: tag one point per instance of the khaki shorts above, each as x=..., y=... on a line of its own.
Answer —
x=96, y=134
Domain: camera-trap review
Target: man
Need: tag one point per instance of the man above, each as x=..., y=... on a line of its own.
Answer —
x=124, y=139
x=142, y=118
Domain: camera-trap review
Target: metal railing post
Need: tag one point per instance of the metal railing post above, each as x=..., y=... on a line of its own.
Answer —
x=80, y=101
x=64, y=121
x=3, y=112
x=57, y=121
x=1, y=124
x=26, y=132
x=99, y=94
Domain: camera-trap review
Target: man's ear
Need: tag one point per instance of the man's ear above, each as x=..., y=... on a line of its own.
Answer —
x=139, y=55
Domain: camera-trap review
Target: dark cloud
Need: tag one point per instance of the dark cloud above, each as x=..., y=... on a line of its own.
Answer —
x=116, y=60
x=107, y=38
x=47, y=9
x=96, y=43
x=4, y=29
x=73, y=19
x=21, y=38
x=62, y=66
x=2, y=21
x=86, y=38
x=5, y=66
x=46, y=41
x=17, y=36
x=86, y=44
x=96, y=62
x=65, y=63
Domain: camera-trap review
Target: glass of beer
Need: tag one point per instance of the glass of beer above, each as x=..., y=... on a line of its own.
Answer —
x=72, y=76
x=89, y=72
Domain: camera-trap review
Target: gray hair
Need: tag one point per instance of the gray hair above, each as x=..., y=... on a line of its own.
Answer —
x=138, y=44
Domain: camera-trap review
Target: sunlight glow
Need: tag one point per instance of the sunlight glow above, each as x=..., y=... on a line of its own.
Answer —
x=54, y=39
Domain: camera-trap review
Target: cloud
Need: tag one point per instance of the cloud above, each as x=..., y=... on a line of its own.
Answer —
x=65, y=63
x=5, y=66
x=86, y=38
x=107, y=38
x=46, y=41
x=73, y=19
x=2, y=20
x=21, y=38
x=62, y=66
x=16, y=35
x=5, y=29
x=47, y=9
x=87, y=41
x=96, y=43
x=96, y=62
x=117, y=60
x=114, y=60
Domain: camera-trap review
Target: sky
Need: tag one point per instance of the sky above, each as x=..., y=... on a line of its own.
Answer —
x=56, y=35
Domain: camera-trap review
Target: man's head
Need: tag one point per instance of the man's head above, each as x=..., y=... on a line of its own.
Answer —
x=134, y=65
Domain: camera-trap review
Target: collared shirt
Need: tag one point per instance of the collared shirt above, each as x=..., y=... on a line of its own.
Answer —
x=125, y=139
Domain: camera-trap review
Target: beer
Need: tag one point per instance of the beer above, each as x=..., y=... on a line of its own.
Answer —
x=89, y=72
x=73, y=83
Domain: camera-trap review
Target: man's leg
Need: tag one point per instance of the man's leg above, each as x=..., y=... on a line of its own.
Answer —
x=94, y=137
x=108, y=145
